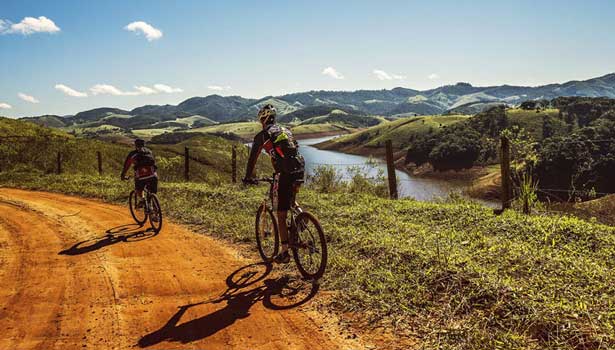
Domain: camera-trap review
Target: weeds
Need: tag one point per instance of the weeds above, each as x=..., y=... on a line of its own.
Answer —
x=452, y=274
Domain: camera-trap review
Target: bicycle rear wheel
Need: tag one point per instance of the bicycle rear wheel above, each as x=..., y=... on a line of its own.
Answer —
x=155, y=214
x=310, y=247
x=267, y=239
x=137, y=213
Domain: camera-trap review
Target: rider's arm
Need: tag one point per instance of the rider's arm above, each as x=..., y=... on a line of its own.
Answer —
x=127, y=163
x=255, y=151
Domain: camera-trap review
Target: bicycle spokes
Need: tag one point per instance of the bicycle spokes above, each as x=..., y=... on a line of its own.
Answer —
x=309, y=247
x=266, y=233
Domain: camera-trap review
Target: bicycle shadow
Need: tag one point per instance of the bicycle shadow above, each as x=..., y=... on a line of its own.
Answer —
x=276, y=294
x=122, y=233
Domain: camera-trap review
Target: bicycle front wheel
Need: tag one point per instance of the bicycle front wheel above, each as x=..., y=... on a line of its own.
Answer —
x=155, y=214
x=310, y=246
x=267, y=239
x=138, y=214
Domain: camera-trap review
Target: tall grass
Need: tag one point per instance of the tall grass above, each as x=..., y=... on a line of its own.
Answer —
x=450, y=274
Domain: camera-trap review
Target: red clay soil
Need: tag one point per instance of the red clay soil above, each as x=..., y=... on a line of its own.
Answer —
x=76, y=273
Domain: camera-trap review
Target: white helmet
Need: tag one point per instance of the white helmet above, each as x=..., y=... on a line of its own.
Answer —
x=266, y=114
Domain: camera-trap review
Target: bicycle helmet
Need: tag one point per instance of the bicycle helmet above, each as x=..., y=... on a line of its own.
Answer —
x=266, y=114
x=139, y=143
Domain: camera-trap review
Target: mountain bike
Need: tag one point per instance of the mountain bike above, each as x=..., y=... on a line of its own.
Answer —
x=306, y=237
x=150, y=210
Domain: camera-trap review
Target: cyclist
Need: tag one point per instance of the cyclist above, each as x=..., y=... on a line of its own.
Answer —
x=145, y=174
x=288, y=164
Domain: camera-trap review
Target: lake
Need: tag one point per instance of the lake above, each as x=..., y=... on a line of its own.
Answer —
x=419, y=188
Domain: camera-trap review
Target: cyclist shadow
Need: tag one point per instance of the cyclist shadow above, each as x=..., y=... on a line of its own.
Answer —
x=123, y=233
x=276, y=294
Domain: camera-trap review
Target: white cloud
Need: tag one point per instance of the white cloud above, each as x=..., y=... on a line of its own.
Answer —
x=167, y=89
x=219, y=88
x=27, y=98
x=69, y=91
x=105, y=89
x=382, y=75
x=330, y=71
x=143, y=90
x=150, y=32
x=29, y=25
x=433, y=76
x=5, y=106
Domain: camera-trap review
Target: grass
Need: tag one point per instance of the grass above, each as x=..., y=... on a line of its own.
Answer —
x=318, y=128
x=149, y=133
x=530, y=120
x=450, y=274
x=400, y=131
x=212, y=154
x=245, y=130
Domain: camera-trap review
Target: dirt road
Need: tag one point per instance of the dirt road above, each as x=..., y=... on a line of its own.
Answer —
x=76, y=273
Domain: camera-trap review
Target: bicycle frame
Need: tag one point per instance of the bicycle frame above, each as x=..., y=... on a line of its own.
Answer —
x=292, y=213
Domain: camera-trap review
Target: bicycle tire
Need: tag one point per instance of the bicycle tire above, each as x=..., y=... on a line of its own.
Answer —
x=132, y=200
x=155, y=205
x=266, y=253
x=322, y=244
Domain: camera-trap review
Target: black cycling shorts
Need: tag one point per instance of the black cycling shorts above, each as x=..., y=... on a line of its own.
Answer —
x=283, y=191
x=151, y=183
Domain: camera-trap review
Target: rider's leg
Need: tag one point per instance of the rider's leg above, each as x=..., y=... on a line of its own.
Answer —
x=281, y=201
x=283, y=229
x=139, y=186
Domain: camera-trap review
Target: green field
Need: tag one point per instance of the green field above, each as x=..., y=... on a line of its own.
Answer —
x=149, y=133
x=531, y=120
x=399, y=131
x=318, y=128
x=244, y=130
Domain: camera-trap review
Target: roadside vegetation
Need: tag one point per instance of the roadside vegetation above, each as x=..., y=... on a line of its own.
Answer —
x=449, y=275
x=38, y=149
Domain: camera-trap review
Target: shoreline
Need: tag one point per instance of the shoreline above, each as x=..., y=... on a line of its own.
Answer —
x=483, y=182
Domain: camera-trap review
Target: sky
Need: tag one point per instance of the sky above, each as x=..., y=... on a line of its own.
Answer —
x=65, y=56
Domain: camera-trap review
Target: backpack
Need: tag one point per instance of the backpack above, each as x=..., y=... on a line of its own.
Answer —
x=285, y=151
x=144, y=158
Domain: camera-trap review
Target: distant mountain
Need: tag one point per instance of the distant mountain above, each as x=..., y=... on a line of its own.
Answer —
x=461, y=97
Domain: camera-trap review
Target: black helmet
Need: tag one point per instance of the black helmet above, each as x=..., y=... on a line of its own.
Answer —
x=139, y=143
x=267, y=114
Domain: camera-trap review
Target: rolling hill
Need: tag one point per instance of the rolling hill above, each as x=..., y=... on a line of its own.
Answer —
x=398, y=102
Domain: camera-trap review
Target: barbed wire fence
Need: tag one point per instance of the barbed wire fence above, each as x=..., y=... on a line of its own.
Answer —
x=513, y=188
x=55, y=154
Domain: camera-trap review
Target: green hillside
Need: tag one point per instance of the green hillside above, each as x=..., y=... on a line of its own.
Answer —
x=38, y=152
x=400, y=131
x=244, y=130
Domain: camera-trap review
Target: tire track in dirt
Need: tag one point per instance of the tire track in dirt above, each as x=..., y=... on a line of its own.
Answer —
x=77, y=273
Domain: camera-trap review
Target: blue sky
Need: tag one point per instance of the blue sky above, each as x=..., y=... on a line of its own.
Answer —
x=259, y=48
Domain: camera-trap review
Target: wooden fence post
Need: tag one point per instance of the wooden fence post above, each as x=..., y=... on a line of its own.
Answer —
x=99, y=157
x=59, y=163
x=391, y=170
x=186, y=164
x=234, y=164
x=505, y=172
